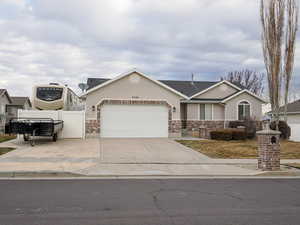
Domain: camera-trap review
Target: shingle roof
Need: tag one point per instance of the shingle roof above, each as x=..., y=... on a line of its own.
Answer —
x=292, y=107
x=20, y=101
x=93, y=82
x=187, y=88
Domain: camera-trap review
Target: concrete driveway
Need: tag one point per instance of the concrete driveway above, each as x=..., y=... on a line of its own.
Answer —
x=147, y=150
x=112, y=157
x=67, y=155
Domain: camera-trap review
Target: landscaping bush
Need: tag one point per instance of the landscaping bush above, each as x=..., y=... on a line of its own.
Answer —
x=221, y=134
x=236, y=124
x=249, y=124
x=228, y=134
x=283, y=128
x=238, y=134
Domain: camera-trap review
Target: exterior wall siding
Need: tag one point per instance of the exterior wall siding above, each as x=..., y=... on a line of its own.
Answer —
x=294, y=118
x=231, y=107
x=3, y=102
x=133, y=87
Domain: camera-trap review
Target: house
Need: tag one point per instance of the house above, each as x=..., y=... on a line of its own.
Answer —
x=16, y=104
x=136, y=105
x=293, y=119
x=5, y=99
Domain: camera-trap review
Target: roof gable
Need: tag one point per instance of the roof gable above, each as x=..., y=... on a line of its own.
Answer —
x=241, y=92
x=4, y=92
x=217, y=84
x=20, y=101
x=105, y=82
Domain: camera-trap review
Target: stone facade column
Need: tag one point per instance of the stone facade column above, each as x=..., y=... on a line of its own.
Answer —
x=268, y=150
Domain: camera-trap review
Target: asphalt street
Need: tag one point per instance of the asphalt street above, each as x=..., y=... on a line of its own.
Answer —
x=157, y=201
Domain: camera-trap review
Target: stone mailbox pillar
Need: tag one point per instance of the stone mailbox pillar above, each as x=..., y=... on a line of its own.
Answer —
x=268, y=150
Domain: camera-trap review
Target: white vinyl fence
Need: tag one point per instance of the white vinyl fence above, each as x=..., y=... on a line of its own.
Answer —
x=295, y=131
x=74, y=121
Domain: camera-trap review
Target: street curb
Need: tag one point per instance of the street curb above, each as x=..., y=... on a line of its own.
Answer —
x=38, y=174
x=69, y=175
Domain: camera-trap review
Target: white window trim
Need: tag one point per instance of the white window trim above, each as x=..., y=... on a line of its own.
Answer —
x=237, y=108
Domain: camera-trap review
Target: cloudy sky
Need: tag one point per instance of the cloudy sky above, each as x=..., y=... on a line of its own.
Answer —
x=67, y=41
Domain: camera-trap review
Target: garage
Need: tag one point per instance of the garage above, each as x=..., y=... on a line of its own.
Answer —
x=133, y=121
x=295, y=131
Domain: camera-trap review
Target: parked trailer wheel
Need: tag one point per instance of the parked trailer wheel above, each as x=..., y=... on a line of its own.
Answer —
x=26, y=137
x=31, y=141
x=54, y=138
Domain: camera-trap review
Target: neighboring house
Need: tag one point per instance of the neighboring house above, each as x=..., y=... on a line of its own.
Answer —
x=135, y=105
x=293, y=119
x=4, y=101
x=16, y=104
x=293, y=112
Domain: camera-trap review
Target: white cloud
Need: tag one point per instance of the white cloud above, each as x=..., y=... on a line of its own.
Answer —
x=70, y=40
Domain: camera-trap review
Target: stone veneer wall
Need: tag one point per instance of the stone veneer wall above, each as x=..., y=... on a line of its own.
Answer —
x=93, y=126
x=205, y=127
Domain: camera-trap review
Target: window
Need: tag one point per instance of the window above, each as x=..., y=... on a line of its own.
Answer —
x=49, y=93
x=243, y=110
x=205, y=111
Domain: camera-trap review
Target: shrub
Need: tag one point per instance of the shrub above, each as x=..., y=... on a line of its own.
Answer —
x=221, y=134
x=238, y=134
x=228, y=134
x=236, y=124
x=283, y=128
x=249, y=124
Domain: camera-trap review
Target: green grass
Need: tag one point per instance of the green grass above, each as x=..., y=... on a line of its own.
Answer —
x=4, y=150
x=4, y=138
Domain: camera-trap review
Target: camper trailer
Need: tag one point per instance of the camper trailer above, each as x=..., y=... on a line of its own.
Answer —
x=55, y=97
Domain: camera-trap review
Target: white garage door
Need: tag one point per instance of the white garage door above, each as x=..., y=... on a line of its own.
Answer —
x=295, y=131
x=134, y=121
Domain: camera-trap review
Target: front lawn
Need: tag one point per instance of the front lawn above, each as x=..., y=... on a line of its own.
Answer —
x=4, y=150
x=239, y=149
x=4, y=138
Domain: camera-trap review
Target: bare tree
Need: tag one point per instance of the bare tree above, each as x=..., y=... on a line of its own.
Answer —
x=272, y=19
x=251, y=80
x=290, y=37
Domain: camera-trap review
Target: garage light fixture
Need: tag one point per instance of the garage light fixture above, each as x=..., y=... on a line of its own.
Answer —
x=93, y=108
x=174, y=109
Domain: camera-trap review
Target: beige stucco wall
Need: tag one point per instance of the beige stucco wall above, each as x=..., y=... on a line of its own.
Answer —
x=231, y=107
x=218, y=112
x=129, y=87
x=220, y=91
x=193, y=111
